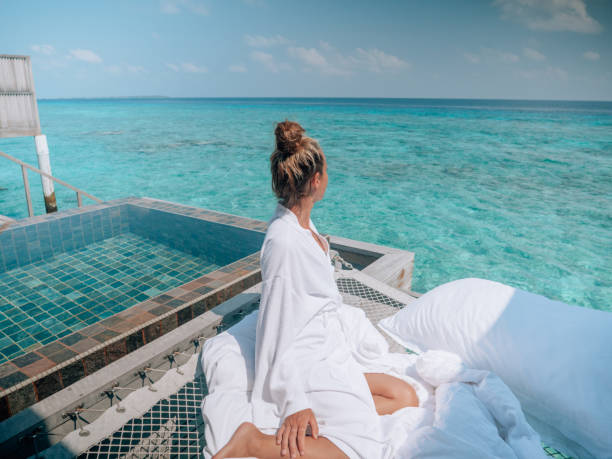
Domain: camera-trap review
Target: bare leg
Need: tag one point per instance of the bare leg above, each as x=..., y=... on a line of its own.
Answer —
x=390, y=393
x=386, y=405
x=248, y=441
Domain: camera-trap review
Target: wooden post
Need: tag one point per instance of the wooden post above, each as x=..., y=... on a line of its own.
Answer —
x=26, y=186
x=42, y=151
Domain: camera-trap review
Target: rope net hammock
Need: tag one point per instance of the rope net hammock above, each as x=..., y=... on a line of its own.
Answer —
x=168, y=422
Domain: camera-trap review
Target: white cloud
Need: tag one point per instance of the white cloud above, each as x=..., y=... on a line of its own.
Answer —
x=545, y=74
x=169, y=7
x=491, y=55
x=557, y=72
x=508, y=58
x=85, y=55
x=237, y=68
x=325, y=46
x=309, y=56
x=187, y=67
x=471, y=57
x=550, y=15
x=328, y=60
x=268, y=61
x=114, y=69
x=314, y=60
x=376, y=60
x=591, y=55
x=193, y=68
x=259, y=41
x=178, y=6
x=43, y=49
x=533, y=54
x=325, y=59
x=190, y=67
x=136, y=69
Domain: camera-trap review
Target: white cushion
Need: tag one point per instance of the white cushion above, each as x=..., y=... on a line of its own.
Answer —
x=228, y=359
x=556, y=358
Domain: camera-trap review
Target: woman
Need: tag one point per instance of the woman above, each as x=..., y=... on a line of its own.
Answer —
x=306, y=375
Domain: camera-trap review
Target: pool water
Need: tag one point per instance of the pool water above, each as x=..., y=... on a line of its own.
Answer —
x=46, y=300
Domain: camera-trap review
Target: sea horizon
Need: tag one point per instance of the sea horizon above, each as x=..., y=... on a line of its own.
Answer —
x=498, y=99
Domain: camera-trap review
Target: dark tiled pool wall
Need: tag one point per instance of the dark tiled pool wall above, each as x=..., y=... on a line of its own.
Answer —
x=217, y=242
x=24, y=244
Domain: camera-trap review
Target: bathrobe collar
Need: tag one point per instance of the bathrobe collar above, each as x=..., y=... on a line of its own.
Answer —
x=287, y=215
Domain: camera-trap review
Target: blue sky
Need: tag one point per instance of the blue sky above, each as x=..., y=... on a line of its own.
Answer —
x=531, y=49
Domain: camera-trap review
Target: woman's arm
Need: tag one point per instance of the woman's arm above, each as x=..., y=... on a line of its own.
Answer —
x=287, y=305
x=274, y=363
x=292, y=434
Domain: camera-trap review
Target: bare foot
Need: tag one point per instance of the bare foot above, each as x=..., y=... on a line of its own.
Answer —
x=238, y=446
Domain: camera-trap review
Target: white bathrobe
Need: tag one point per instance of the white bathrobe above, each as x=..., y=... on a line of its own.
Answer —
x=309, y=350
x=302, y=356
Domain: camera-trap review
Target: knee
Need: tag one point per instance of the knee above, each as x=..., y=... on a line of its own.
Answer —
x=405, y=395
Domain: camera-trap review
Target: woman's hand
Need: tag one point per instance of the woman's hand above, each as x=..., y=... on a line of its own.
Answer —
x=292, y=434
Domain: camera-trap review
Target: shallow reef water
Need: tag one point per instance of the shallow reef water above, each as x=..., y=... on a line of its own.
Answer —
x=514, y=191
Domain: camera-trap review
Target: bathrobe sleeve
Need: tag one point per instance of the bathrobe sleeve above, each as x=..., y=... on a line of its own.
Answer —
x=285, y=308
x=282, y=384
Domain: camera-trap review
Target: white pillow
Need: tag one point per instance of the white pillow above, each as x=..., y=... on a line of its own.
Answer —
x=556, y=358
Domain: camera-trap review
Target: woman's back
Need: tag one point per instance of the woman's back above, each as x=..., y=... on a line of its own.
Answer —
x=302, y=357
x=291, y=252
x=305, y=373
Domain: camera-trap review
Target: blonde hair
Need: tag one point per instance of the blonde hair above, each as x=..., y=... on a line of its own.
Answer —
x=295, y=160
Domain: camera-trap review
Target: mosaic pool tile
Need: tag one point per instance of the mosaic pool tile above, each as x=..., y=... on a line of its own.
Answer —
x=49, y=299
x=36, y=319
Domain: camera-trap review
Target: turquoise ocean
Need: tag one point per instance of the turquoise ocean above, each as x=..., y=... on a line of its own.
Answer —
x=514, y=191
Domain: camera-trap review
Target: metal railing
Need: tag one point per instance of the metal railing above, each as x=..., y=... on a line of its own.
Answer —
x=26, y=183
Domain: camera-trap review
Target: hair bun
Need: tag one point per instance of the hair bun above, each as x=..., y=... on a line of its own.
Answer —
x=288, y=137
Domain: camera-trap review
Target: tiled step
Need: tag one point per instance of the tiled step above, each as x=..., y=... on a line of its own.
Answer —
x=5, y=221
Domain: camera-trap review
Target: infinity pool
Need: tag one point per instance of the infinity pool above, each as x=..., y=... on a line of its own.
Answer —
x=83, y=287
x=47, y=300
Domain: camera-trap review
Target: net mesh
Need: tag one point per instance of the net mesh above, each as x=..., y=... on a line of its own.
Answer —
x=174, y=427
x=375, y=304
